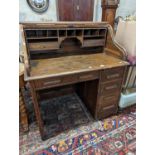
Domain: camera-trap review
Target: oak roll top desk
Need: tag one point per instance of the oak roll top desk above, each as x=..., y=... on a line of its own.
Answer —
x=80, y=55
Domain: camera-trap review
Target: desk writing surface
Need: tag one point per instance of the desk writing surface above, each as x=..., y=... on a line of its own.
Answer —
x=72, y=64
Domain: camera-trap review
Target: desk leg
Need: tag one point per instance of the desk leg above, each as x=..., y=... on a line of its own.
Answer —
x=37, y=109
x=22, y=112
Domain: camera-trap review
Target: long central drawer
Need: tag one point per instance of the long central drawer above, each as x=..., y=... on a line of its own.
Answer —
x=67, y=79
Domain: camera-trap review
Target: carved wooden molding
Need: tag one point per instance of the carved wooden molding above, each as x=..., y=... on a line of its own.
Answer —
x=110, y=3
x=109, y=10
x=118, y=50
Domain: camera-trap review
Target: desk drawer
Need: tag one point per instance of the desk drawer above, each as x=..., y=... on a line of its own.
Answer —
x=56, y=81
x=108, y=100
x=112, y=74
x=43, y=46
x=110, y=87
x=93, y=42
x=88, y=76
x=107, y=111
x=48, y=82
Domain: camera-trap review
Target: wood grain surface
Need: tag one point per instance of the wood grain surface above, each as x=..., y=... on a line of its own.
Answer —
x=72, y=64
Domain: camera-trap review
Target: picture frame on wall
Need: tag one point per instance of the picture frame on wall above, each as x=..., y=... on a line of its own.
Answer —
x=38, y=6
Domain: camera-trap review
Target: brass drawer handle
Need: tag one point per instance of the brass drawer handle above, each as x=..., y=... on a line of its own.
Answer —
x=109, y=97
x=111, y=87
x=52, y=82
x=86, y=76
x=113, y=76
x=109, y=107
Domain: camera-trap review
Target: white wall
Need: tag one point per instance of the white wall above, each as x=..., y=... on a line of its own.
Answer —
x=27, y=14
x=97, y=11
x=126, y=7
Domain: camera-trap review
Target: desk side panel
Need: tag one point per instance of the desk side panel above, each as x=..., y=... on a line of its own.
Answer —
x=112, y=47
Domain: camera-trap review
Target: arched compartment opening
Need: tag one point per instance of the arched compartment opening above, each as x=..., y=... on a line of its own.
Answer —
x=70, y=44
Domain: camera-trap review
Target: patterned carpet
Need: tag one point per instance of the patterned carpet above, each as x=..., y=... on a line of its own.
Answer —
x=115, y=135
x=63, y=113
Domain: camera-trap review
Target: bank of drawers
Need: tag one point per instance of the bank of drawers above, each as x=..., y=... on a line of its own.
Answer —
x=109, y=91
x=67, y=79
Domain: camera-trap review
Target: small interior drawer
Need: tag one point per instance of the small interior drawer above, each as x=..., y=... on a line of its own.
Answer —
x=112, y=74
x=88, y=76
x=43, y=46
x=107, y=111
x=93, y=42
x=110, y=87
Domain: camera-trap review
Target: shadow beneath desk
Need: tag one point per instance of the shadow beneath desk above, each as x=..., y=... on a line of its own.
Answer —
x=59, y=113
x=63, y=113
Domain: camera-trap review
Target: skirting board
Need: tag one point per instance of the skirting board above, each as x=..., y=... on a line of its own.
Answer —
x=127, y=100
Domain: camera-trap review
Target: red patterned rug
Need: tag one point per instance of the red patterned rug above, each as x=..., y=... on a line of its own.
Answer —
x=115, y=135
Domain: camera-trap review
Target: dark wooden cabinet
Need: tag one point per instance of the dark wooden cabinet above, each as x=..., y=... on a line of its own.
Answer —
x=75, y=10
x=109, y=10
x=74, y=55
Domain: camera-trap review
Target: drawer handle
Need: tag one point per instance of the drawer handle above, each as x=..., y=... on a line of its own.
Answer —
x=86, y=76
x=109, y=107
x=111, y=87
x=113, y=76
x=109, y=97
x=52, y=82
